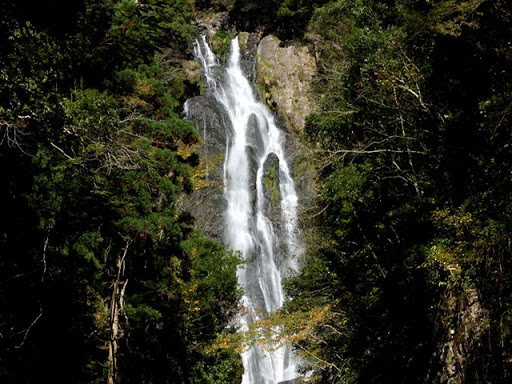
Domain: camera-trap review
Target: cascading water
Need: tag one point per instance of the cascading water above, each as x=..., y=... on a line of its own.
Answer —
x=270, y=249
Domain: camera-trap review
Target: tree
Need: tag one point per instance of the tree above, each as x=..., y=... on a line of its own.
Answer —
x=409, y=190
x=110, y=271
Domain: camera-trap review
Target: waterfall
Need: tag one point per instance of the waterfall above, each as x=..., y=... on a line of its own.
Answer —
x=270, y=247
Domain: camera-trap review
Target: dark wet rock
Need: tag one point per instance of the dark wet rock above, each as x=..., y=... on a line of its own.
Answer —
x=294, y=381
x=271, y=193
x=207, y=202
x=209, y=119
x=253, y=169
x=249, y=47
x=254, y=138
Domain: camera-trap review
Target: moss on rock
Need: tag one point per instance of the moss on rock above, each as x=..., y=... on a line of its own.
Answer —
x=220, y=43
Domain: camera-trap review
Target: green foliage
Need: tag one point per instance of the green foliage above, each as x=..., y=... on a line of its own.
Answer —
x=217, y=368
x=287, y=18
x=95, y=159
x=272, y=183
x=220, y=43
x=114, y=35
x=32, y=65
x=213, y=284
x=414, y=163
x=174, y=20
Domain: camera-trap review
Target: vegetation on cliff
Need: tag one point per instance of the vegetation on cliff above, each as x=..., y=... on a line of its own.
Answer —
x=414, y=210
x=102, y=276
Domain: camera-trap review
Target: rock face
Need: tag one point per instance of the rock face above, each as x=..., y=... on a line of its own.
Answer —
x=287, y=74
x=284, y=80
x=209, y=23
x=271, y=202
x=192, y=71
x=463, y=333
x=284, y=76
x=207, y=201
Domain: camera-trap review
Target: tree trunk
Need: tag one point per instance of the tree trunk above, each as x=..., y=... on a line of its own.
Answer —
x=116, y=307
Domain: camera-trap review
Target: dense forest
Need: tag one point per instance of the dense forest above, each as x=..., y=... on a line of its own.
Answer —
x=413, y=139
x=105, y=277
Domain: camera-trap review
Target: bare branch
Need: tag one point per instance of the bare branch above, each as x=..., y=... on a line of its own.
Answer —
x=116, y=307
x=323, y=362
x=144, y=137
x=365, y=151
x=416, y=94
x=30, y=327
x=61, y=151
x=409, y=151
x=12, y=133
x=44, y=256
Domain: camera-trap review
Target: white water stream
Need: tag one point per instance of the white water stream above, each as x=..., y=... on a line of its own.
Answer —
x=271, y=251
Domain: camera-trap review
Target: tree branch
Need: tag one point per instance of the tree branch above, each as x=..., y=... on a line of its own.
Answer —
x=61, y=151
x=30, y=327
